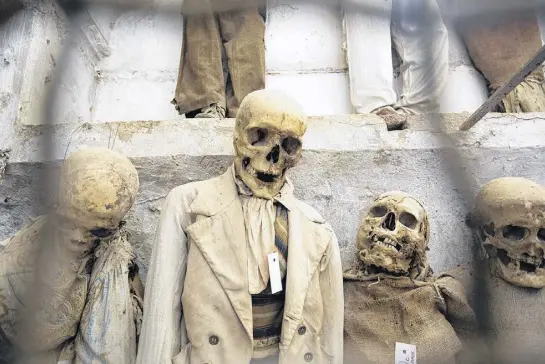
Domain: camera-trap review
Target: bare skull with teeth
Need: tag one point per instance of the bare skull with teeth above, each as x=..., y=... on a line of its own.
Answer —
x=268, y=140
x=511, y=217
x=393, y=237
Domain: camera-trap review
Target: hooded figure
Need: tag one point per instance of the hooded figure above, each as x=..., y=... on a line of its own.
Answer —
x=241, y=270
x=392, y=299
x=69, y=292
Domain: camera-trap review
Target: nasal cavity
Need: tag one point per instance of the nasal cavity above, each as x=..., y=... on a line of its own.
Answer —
x=389, y=221
x=274, y=155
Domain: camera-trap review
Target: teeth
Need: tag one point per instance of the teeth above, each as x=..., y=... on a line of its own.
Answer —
x=251, y=170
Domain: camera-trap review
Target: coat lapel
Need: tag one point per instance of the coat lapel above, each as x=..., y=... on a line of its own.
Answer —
x=308, y=241
x=221, y=237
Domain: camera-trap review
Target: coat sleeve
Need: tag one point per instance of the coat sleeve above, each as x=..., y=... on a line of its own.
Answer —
x=160, y=339
x=331, y=283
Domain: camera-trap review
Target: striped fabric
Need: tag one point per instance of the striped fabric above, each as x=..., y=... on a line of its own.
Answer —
x=267, y=308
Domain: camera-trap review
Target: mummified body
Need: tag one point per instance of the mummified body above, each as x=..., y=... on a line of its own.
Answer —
x=499, y=45
x=68, y=290
x=509, y=220
x=391, y=295
x=209, y=296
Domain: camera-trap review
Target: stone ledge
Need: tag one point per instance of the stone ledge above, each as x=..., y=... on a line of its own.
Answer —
x=348, y=161
x=343, y=133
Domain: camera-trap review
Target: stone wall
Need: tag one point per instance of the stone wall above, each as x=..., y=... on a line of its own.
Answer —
x=347, y=161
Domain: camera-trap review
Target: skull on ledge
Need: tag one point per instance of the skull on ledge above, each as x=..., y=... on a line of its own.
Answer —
x=268, y=140
x=393, y=237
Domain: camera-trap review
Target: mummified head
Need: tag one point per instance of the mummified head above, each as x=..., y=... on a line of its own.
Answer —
x=393, y=237
x=268, y=140
x=97, y=188
x=510, y=215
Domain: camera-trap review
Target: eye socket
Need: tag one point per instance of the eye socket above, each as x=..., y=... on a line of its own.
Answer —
x=257, y=136
x=490, y=229
x=541, y=234
x=291, y=145
x=515, y=233
x=378, y=211
x=101, y=232
x=408, y=219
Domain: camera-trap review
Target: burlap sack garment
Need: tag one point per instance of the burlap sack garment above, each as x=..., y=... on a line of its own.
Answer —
x=517, y=319
x=499, y=45
x=433, y=315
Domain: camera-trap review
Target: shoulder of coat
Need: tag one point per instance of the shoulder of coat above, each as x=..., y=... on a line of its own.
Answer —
x=191, y=189
x=309, y=212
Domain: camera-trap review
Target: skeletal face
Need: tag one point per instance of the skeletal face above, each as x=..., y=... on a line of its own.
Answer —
x=268, y=140
x=393, y=237
x=511, y=213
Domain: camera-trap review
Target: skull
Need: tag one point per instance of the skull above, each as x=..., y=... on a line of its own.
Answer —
x=511, y=217
x=97, y=188
x=393, y=237
x=268, y=140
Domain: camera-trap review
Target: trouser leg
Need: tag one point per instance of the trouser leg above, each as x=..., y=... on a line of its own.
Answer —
x=243, y=33
x=420, y=37
x=200, y=77
x=369, y=53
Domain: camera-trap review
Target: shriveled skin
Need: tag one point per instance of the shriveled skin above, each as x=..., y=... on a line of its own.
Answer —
x=511, y=223
x=268, y=140
x=393, y=237
x=97, y=188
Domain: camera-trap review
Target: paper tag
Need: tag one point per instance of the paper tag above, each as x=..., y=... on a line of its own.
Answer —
x=274, y=273
x=405, y=354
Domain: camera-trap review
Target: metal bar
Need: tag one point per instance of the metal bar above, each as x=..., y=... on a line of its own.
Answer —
x=505, y=89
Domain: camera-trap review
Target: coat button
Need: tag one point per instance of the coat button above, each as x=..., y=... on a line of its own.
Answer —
x=214, y=340
x=308, y=357
x=302, y=330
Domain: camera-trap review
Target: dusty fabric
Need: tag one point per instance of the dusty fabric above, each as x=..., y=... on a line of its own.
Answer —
x=107, y=330
x=421, y=42
x=517, y=318
x=529, y=96
x=61, y=300
x=428, y=314
x=259, y=219
x=72, y=296
x=268, y=307
x=201, y=79
x=199, y=257
x=501, y=44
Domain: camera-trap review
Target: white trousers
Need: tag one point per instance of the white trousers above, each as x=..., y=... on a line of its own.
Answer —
x=416, y=30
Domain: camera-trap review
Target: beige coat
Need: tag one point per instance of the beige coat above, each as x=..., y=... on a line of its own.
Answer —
x=197, y=305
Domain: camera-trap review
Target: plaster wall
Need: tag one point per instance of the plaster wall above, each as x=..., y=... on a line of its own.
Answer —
x=122, y=65
x=347, y=162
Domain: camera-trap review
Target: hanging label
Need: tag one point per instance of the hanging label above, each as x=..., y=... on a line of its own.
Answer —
x=405, y=354
x=274, y=273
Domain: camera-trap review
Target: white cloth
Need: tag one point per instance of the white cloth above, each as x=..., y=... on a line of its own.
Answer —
x=418, y=34
x=259, y=215
x=107, y=330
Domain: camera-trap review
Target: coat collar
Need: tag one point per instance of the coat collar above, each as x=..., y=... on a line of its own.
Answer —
x=216, y=194
x=221, y=237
